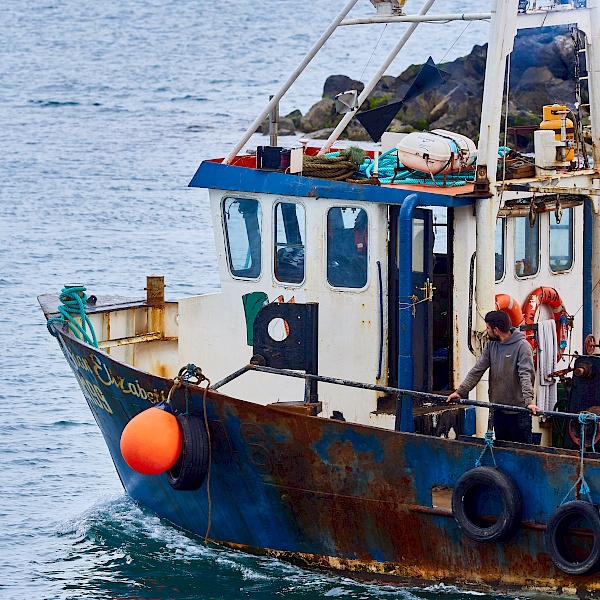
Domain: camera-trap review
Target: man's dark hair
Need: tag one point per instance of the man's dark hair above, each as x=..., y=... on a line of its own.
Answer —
x=499, y=319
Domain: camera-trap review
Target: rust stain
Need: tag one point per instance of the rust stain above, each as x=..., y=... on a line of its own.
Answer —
x=420, y=577
x=161, y=370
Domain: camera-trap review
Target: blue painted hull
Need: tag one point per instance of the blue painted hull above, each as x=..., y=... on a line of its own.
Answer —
x=335, y=494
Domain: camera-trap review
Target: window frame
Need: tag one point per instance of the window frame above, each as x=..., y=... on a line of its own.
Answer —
x=514, y=269
x=276, y=203
x=572, y=240
x=326, y=247
x=226, y=236
x=504, y=222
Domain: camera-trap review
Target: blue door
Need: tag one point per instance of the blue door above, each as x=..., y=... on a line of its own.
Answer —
x=423, y=290
x=418, y=302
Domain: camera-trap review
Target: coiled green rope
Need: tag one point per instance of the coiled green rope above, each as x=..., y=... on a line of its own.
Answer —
x=73, y=300
x=340, y=166
x=390, y=169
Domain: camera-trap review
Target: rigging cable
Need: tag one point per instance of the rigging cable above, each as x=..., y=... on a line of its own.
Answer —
x=372, y=53
x=453, y=43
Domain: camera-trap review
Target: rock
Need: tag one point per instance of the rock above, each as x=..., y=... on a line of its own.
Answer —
x=356, y=132
x=320, y=134
x=336, y=84
x=285, y=127
x=296, y=117
x=533, y=77
x=541, y=72
x=320, y=116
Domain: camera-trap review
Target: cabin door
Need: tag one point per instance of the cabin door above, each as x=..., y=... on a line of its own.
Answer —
x=418, y=303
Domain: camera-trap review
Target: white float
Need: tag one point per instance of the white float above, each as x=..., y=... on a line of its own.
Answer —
x=437, y=151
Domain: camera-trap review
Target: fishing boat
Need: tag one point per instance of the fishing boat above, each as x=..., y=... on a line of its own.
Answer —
x=301, y=412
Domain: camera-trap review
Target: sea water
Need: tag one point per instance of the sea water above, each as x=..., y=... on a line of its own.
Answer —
x=106, y=110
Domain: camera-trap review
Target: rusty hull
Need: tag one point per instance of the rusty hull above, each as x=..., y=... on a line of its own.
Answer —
x=333, y=494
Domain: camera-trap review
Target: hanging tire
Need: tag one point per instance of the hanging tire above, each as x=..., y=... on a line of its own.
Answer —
x=486, y=504
x=189, y=472
x=573, y=537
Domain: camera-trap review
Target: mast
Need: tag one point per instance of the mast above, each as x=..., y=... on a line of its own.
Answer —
x=503, y=29
x=593, y=67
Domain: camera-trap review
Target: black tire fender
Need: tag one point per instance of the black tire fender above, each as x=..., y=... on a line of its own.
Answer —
x=189, y=472
x=556, y=542
x=481, y=479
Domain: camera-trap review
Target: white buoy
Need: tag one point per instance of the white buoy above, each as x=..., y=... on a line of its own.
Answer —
x=437, y=151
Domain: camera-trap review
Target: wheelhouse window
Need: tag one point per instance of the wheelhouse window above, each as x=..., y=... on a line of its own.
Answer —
x=561, y=241
x=499, y=249
x=290, y=227
x=347, y=247
x=242, y=218
x=527, y=247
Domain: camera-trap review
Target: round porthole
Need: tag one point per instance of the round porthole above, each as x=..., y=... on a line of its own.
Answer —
x=278, y=329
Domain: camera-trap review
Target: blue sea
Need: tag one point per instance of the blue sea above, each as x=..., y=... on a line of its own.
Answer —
x=106, y=110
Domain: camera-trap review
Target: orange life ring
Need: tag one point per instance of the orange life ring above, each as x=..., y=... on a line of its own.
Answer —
x=551, y=298
x=511, y=307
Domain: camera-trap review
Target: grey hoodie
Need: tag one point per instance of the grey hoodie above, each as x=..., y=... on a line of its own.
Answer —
x=512, y=374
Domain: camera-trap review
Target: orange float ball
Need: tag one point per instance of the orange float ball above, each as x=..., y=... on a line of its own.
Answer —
x=151, y=442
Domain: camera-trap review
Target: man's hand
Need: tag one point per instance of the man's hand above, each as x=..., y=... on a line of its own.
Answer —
x=453, y=396
x=533, y=408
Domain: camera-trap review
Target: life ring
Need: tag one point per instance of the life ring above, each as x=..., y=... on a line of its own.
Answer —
x=511, y=307
x=490, y=487
x=189, y=472
x=571, y=520
x=551, y=298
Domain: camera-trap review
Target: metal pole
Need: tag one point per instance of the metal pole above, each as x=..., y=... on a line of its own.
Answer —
x=420, y=18
x=393, y=391
x=274, y=124
x=503, y=29
x=286, y=86
x=374, y=80
x=593, y=66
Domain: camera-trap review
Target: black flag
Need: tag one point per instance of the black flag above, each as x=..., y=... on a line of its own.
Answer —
x=376, y=121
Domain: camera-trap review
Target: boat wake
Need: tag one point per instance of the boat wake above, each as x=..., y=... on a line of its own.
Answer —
x=117, y=548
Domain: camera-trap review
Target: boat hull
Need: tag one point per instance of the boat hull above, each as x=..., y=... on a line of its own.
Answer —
x=325, y=493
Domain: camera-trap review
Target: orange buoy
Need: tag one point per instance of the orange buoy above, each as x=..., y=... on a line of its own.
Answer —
x=550, y=297
x=151, y=442
x=511, y=307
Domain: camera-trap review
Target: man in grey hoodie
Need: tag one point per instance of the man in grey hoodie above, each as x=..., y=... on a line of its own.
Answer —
x=510, y=361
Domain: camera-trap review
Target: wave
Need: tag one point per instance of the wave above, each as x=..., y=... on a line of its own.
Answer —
x=119, y=549
x=52, y=103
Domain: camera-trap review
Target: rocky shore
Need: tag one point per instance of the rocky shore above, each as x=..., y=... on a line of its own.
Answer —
x=542, y=67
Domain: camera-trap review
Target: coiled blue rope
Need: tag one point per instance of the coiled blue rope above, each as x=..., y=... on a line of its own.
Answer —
x=584, y=419
x=388, y=164
x=73, y=300
x=488, y=440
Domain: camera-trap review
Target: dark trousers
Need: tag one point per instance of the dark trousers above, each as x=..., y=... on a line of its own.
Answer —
x=513, y=427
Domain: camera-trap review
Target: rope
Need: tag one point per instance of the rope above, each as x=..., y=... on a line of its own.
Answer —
x=373, y=53
x=193, y=374
x=209, y=499
x=73, y=300
x=488, y=445
x=339, y=166
x=453, y=43
x=391, y=170
x=584, y=419
x=411, y=305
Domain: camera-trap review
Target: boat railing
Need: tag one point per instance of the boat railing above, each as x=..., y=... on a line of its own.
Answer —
x=435, y=399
